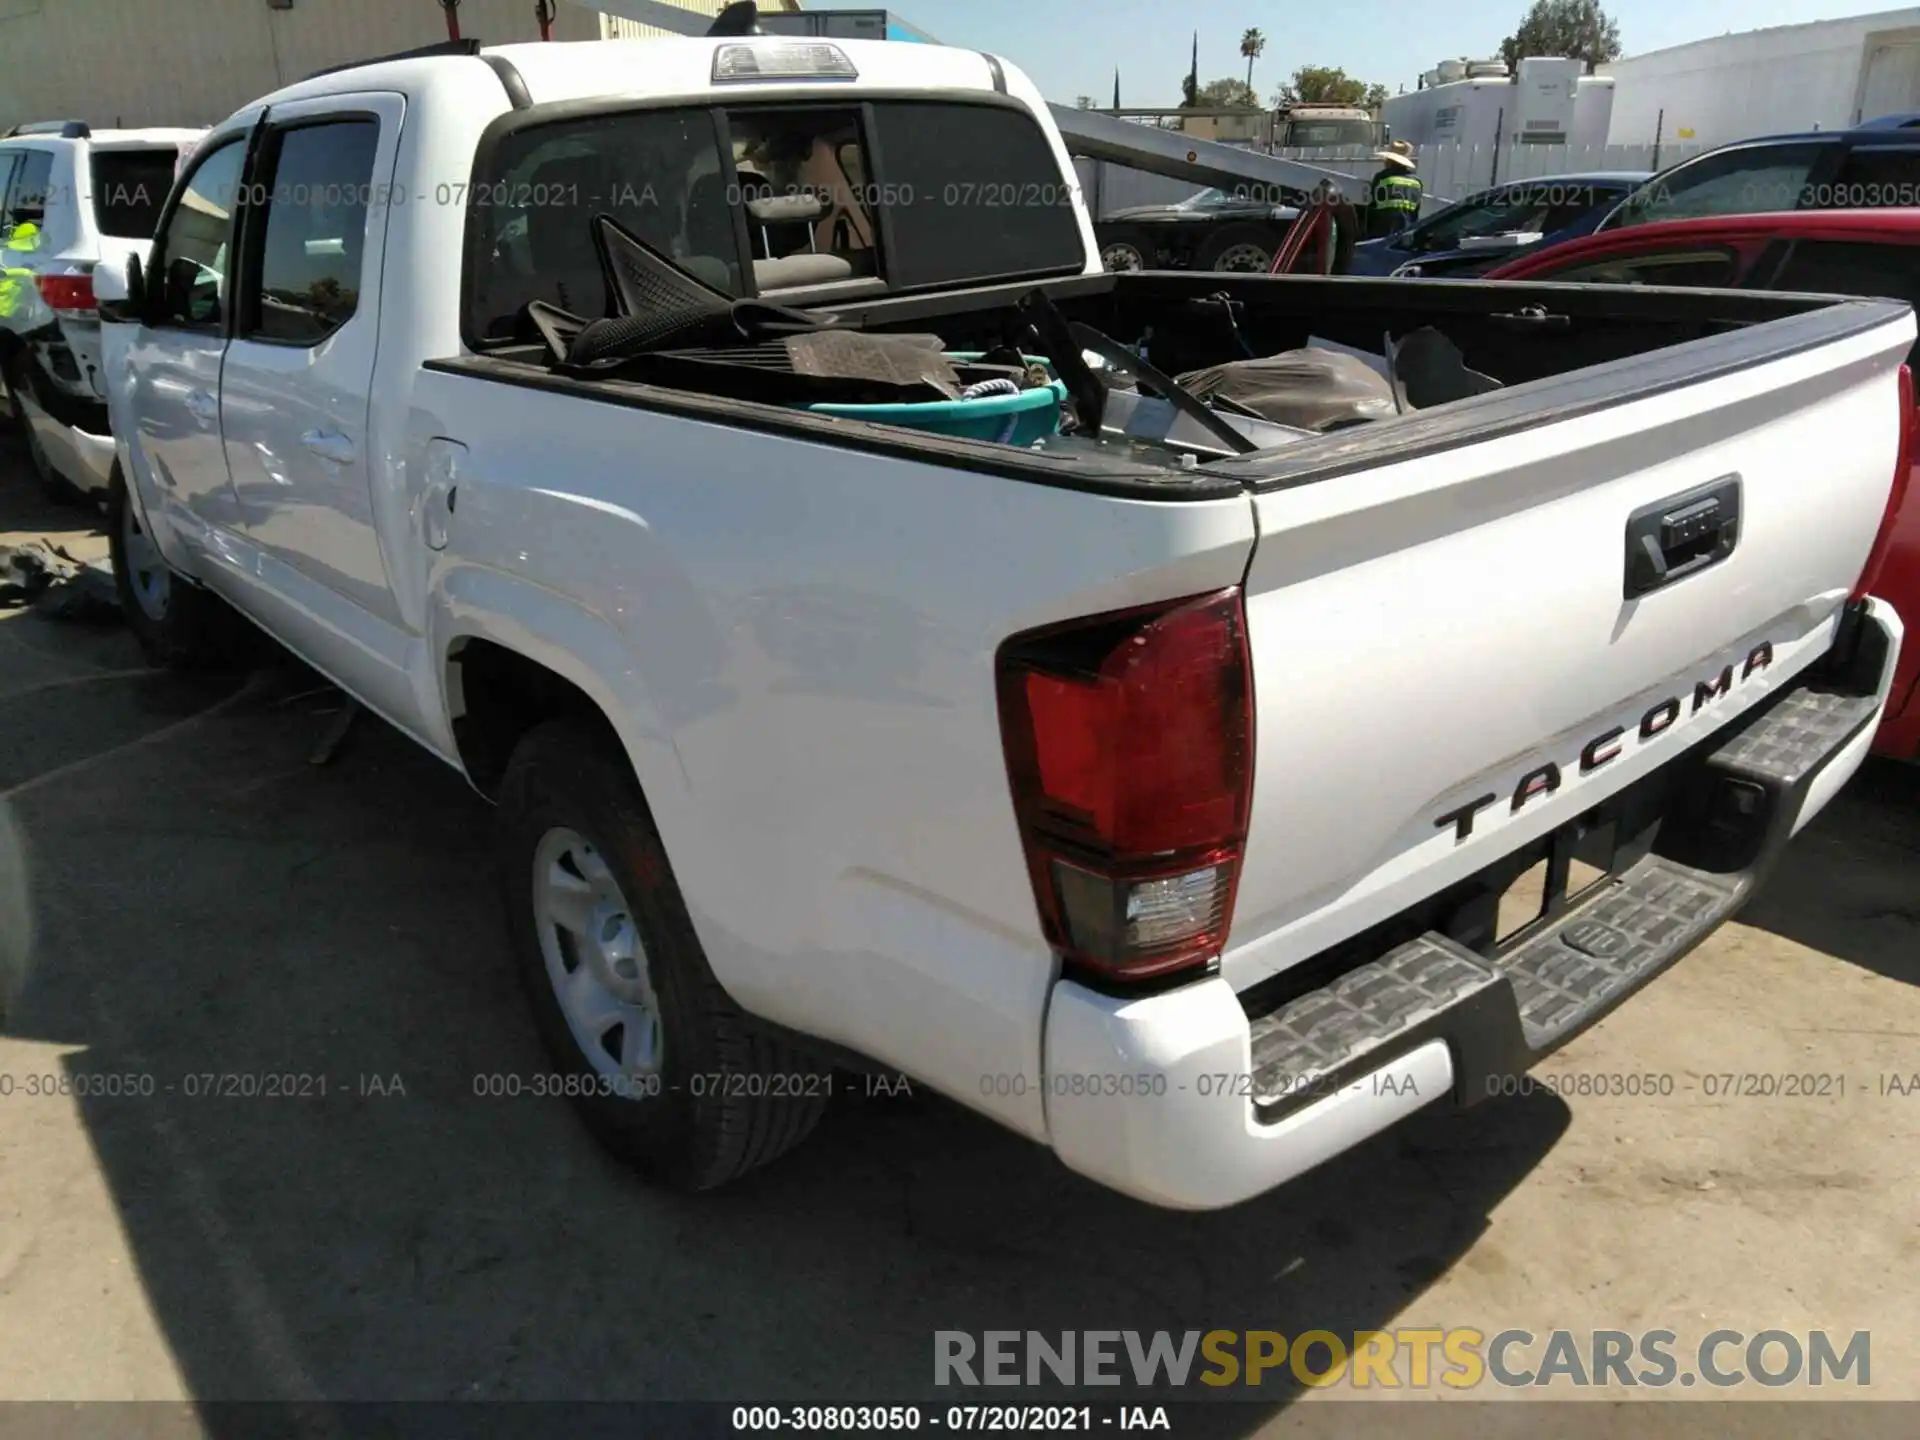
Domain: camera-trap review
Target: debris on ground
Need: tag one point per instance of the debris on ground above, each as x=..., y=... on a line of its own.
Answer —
x=89, y=597
x=26, y=570
x=47, y=576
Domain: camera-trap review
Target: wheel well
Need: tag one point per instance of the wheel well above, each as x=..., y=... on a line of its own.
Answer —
x=496, y=696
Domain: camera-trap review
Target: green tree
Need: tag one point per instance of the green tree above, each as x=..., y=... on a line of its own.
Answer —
x=1231, y=93
x=1570, y=29
x=1083, y=102
x=1323, y=85
x=1376, y=97
x=1252, y=45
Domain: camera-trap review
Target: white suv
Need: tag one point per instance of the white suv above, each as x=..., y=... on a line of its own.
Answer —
x=67, y=193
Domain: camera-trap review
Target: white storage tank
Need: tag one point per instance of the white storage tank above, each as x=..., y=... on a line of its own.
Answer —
x=1548, y=102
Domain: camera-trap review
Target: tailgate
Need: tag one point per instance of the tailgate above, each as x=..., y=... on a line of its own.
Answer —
x=1447, y=663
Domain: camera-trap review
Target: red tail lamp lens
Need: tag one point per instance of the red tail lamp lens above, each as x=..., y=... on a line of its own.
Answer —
x=1128, y=740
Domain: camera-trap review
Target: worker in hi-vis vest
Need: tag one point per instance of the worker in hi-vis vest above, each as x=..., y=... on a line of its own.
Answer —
x=16, y=283
x=1393, y=199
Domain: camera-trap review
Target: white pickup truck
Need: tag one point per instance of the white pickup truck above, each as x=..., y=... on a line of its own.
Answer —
x=1148, y=784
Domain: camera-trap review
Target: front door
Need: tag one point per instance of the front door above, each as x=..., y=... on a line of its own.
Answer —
x=295, y=398
x=173, y=358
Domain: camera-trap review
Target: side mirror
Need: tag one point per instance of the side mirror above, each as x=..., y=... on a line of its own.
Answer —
x=119, y=289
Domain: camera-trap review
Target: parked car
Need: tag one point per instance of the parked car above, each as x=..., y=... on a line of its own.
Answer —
x=1240, y=229
x=1875, y=166
x=1473, y=235
x=68, y=194
x=1147, y=781
x=1828, y=252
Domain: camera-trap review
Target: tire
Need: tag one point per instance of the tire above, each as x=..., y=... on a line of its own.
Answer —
x=179, y=626
x=57, y=487
x=681, y=1084
x=1125, y=250
x=1246, y=249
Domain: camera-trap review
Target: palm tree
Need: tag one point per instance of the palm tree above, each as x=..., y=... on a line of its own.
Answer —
x=1252, y=45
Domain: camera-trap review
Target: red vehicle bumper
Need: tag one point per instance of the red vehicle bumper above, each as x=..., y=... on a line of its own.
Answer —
x=1899, y=734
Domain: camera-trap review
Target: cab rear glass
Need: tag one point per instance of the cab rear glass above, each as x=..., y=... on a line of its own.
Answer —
x=756, y=200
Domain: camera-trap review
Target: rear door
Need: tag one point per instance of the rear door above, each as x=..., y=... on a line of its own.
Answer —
x=295, y=397
x=1451, y=658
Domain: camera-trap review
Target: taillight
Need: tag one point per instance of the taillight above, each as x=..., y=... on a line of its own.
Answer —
x=1902, y=477
x=67, y=293
x=1129, y=747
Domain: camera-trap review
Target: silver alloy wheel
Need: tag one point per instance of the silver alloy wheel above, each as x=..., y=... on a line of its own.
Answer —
x=1121, y=256
x=146, y=571
x=595, y=960
x=1245, y=256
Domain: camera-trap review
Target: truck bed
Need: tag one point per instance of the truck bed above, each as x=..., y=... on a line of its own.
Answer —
x=1606, y=346
x=809, y=611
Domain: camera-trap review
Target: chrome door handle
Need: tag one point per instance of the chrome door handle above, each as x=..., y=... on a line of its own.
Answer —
x=330, y=445
x=202, y=406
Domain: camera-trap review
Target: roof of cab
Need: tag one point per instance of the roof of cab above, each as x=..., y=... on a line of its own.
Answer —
x=112, y=139
x=653, y=69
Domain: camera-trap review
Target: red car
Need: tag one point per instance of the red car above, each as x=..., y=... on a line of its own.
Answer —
x=1829, y=252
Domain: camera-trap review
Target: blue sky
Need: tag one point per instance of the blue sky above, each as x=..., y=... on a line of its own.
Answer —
x=1071, y=47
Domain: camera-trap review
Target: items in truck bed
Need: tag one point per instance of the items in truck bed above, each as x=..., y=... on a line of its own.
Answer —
x=1323, y=386
x=1428, y=369
x=1005, y=408
x=1307, y=389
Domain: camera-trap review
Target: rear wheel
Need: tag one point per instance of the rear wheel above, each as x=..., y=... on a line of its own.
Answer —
x=665, y=1069
x=1244, y=248
x=179, y=626
x=1123, y=250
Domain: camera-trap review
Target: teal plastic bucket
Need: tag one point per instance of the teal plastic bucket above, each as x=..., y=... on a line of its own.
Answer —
x=1006, y=419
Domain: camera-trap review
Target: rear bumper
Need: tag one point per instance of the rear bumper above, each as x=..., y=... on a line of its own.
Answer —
x=1184, y=1099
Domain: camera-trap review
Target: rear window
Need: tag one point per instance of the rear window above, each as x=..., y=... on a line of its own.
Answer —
x=129, y=187
x=1750, y=180
x=756, y=200
x=974, y=193
x=1873, y=176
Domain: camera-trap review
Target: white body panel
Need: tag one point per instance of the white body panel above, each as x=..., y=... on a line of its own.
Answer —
x=70, y=241
x=1181, y=1136
x=1509, y=644
x=811, y=714
x=808, y=700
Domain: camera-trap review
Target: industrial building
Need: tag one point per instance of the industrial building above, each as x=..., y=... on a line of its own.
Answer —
x=1822, y=76
x=194, y=62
